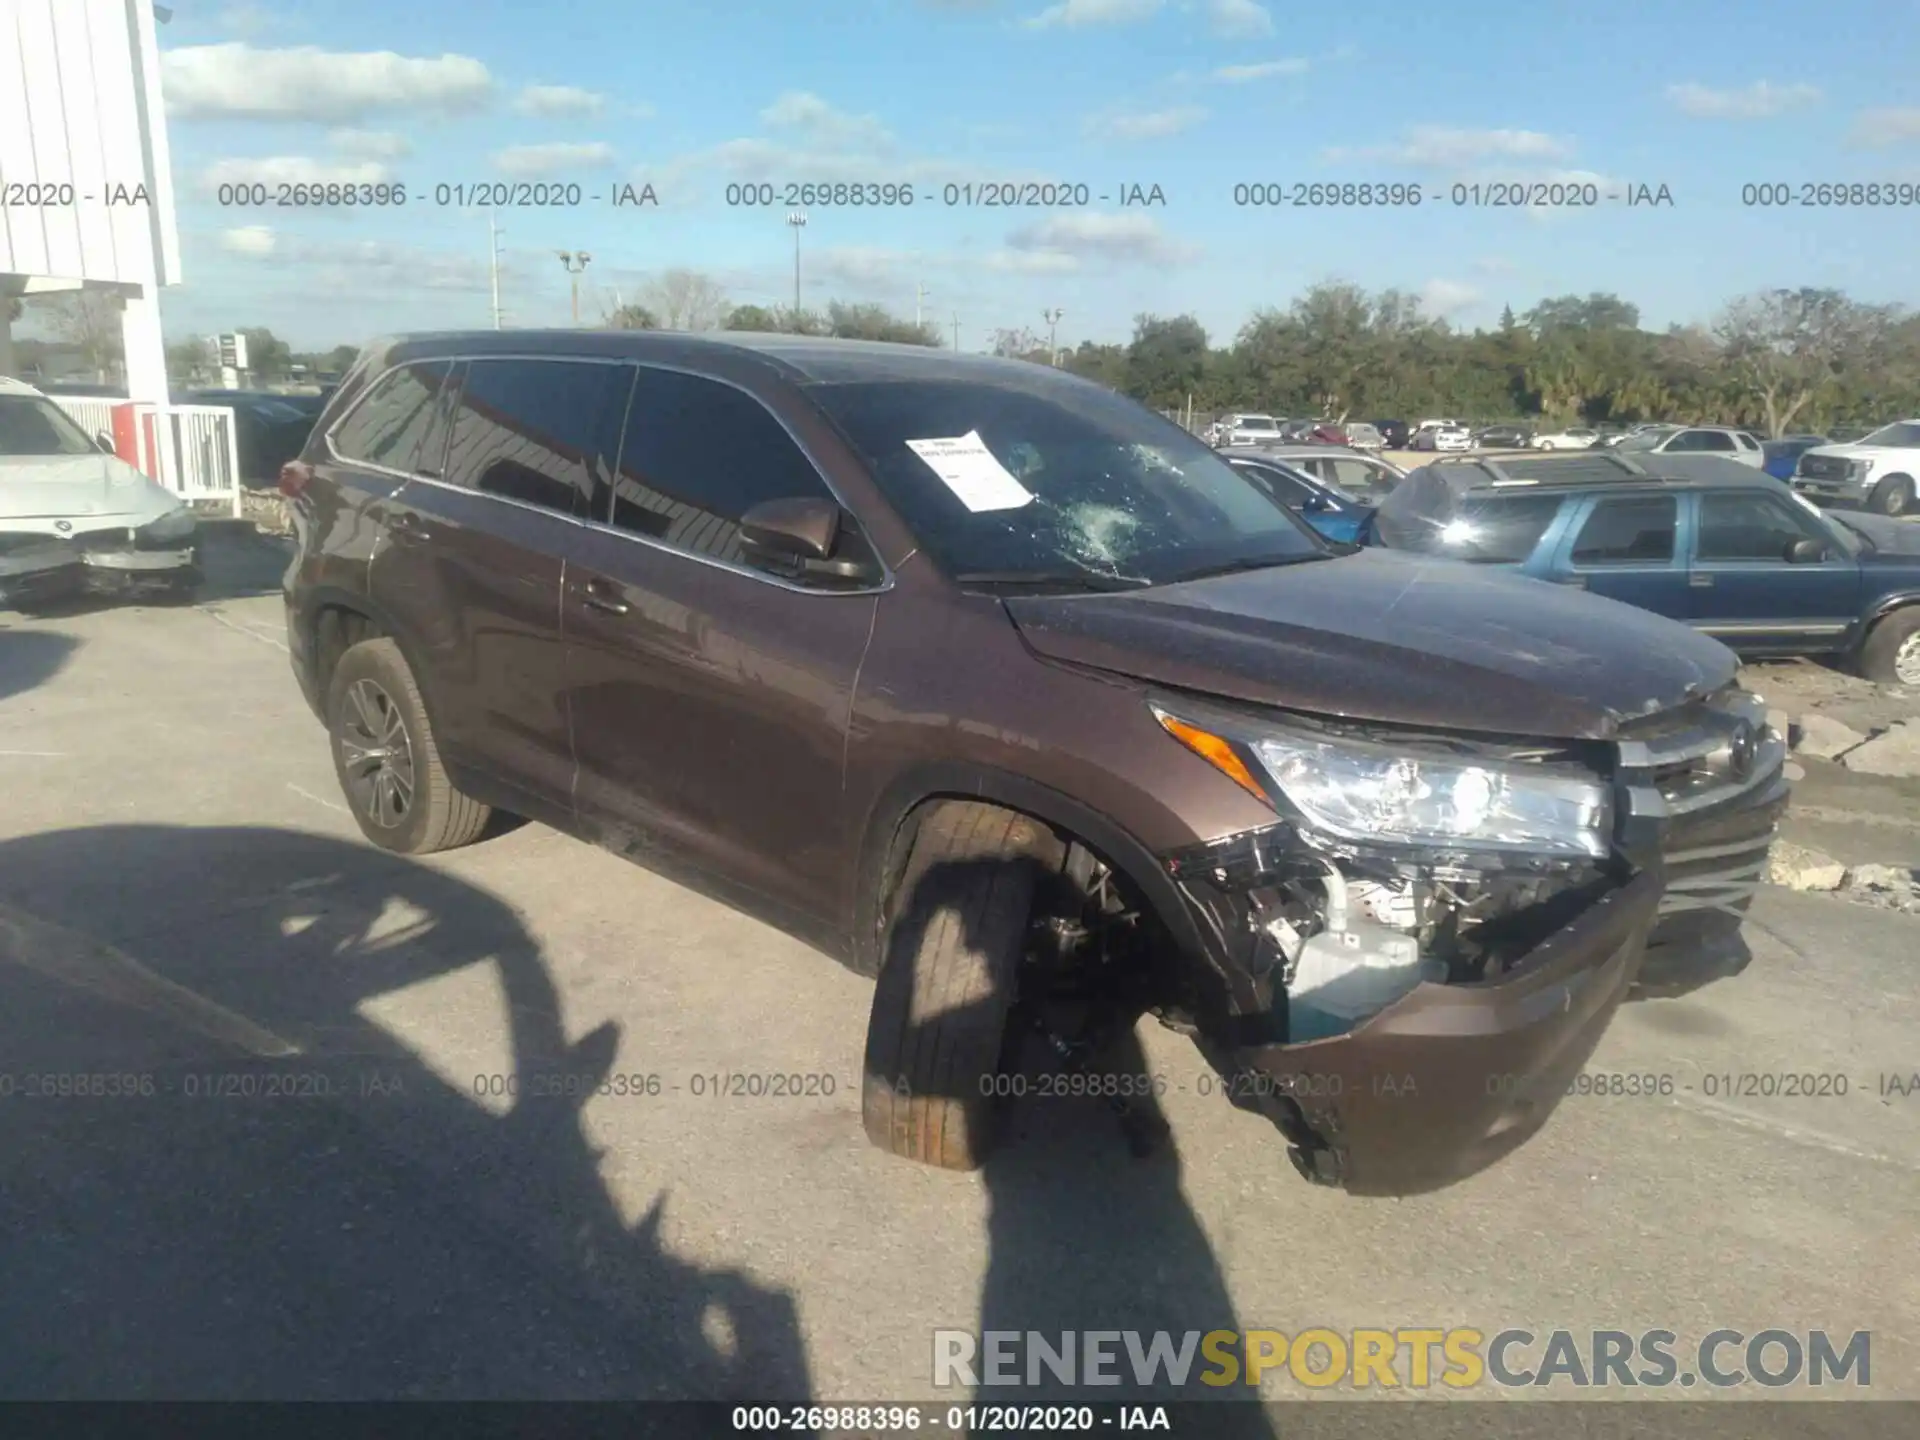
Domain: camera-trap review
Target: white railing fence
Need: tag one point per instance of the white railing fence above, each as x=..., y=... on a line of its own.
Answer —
x=193, y=450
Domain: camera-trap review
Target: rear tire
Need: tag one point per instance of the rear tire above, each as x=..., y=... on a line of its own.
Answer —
x=386, y=760
x=937, y=1036
x=1893, y=496
x=1891, y=655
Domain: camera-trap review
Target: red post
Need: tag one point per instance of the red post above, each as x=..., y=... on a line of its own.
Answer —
x=126, y=434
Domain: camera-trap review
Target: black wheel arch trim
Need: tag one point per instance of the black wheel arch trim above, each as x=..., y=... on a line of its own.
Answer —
x=1885, y=606
x=315, y=599
x=881, y=852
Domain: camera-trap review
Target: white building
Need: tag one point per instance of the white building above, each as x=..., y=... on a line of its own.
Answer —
x=86, y=188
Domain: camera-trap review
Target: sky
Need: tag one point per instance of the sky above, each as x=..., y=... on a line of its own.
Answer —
x=1194, y=97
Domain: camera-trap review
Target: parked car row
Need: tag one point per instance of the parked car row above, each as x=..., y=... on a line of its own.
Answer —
x=991, y=683
x=1701, y=539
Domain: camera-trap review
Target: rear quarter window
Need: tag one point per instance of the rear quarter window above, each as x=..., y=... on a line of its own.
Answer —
x=1499, y=529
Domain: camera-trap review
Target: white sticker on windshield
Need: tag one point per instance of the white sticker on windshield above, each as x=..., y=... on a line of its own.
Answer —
x=971, y=472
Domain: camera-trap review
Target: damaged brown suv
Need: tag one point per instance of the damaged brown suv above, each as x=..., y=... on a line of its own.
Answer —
x=1005, y=691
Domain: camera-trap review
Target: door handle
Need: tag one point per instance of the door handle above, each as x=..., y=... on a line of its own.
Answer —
x=1700, y=582
x=601, y=595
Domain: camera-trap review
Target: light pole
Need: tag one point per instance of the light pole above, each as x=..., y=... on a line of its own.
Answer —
x=919, y=299
x=798, y=220
x=493, y=245
x=1053, y=321
x=575, y=261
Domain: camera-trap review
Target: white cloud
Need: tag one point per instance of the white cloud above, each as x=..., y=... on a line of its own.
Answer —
x=1031, y=262
x=858, y=265
x=1239, y=19
x=534, y=161
x=357, y=266
x=1758, y=101
x=1264, y=70
x=558, y=100
x=1091, y=235
x=1440, y=148
x=240, y=81
x=1080, y=14
x=1441, y=298
x=372, y=144
x=276, y=170
x=1881, y=128
x=705, y=173
x=818, y=123
x=253, y=240
x=1144, y=125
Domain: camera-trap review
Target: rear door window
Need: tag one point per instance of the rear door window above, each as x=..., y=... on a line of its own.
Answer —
x=536, y=431
x=385, y=429
x=1629, y=531
x=1499, y=529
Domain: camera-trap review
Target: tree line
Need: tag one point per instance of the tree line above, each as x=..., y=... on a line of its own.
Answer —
x=1776, y=361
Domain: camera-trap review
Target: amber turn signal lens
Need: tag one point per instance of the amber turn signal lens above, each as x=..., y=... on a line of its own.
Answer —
x=1216, y=752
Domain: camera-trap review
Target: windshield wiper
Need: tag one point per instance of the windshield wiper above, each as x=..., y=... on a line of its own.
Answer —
x=1234, y=567
x=1050, y=579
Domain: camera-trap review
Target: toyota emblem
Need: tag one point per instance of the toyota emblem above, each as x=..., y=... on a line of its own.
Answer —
x=1743, y=746
x=63, y=526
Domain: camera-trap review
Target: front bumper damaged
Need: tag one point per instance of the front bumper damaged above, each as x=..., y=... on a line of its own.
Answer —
x=1448, y=1079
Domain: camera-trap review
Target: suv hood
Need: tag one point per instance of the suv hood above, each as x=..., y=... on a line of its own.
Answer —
x=1854, y=450
x=1895, y=542
x=89, y=492
x=1395, y=639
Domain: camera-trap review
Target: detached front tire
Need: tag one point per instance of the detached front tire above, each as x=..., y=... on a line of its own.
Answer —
x=1891, y=655
x=937, y=1037
x=386, y=759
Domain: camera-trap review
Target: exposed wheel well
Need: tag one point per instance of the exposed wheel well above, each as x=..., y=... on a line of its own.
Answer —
x=1084, y=883
x=336, y=630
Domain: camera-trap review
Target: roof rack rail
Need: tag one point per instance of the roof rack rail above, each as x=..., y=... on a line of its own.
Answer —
x=1577, y=467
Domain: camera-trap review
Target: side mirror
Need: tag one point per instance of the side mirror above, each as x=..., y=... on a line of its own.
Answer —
x=1806, y=552
x=797, y=538
x=793, y=529
x=104, y=442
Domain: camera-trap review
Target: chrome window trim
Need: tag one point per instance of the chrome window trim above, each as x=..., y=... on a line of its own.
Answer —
x=887, y=580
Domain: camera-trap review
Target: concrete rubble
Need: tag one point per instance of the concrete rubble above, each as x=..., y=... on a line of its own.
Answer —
x=1822, y=737
x=1799, y=868
x=1894, y=752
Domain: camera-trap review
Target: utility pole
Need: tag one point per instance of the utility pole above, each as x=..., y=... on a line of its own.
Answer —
x=956, y=332
x=919, y=299
x=1053, y=322
x=493, y=246
x=575, y=261
x=798, y=220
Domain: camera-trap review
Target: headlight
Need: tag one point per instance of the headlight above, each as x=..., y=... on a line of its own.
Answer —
x=1384, y=796
x=174, y=525
x=1860, y=469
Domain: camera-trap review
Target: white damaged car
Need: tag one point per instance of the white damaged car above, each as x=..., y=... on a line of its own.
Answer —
x=75, y=519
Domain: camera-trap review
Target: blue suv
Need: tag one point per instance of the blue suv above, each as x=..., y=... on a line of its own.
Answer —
x=1723, y=547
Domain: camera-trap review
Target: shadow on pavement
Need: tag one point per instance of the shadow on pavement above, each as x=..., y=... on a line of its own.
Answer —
x=30, y=658
x=187, y=1210
x=1086, y=1233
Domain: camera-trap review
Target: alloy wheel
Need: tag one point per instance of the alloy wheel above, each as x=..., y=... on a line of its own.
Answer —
x=377, y=755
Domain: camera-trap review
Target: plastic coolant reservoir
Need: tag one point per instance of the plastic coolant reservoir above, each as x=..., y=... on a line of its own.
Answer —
x=1351, y=970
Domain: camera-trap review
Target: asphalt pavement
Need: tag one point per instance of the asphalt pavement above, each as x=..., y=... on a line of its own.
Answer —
x=299, y=1172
